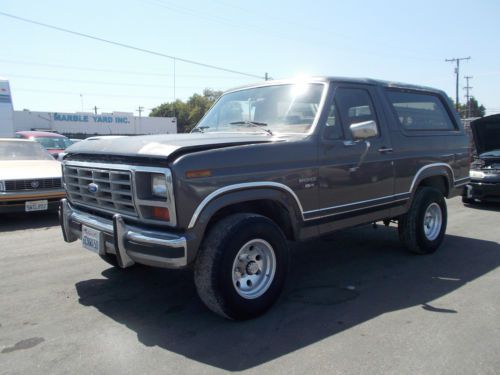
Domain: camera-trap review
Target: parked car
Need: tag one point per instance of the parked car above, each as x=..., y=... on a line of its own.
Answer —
x=269, y=163
x=54, y=143
x=485, y=169
x=30, y=178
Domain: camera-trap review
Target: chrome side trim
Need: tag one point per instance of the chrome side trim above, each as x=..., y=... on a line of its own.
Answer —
x=242, y=186
x=355, y=209
x=359, y=202
x=229, y=188
x=431, y=166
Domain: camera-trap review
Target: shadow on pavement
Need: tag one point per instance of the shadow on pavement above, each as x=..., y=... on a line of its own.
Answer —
x=33, y=220
x=334, y=284
x=485, y=206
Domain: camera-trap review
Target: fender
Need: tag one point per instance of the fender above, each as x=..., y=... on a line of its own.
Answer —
x=234, y=194
x=431, y=170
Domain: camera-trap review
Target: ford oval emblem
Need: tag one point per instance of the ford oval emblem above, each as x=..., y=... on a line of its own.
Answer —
x=93, y=188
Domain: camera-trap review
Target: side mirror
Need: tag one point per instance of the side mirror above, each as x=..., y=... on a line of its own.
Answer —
x=364, y=130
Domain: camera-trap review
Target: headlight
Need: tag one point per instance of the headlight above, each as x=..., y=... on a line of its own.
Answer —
x=476, y=174
x=2, y=186
x=159, y=185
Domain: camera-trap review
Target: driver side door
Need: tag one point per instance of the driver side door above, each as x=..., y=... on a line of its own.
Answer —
x=356, y=175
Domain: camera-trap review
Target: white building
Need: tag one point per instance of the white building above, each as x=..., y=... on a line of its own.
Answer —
x=80, y=124
x=93, y=124
x=6, y=110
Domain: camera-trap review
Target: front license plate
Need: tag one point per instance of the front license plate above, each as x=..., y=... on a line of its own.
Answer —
x=91, y=239
x=36, y=205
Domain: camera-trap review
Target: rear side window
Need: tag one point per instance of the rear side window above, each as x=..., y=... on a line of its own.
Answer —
x=420, y=111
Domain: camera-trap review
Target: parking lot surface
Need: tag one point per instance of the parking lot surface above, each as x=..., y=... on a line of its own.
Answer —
x=355, y=303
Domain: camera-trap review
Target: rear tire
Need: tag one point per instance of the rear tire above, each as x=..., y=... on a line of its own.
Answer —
x=423, y=227
x=241, y=267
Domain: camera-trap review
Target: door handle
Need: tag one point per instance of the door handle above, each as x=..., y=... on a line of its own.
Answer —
x=385, y=150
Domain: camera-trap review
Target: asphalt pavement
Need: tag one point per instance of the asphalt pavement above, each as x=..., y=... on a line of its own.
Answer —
x=356, y=303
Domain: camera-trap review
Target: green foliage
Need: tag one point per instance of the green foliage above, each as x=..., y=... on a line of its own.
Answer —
x=476, y=110
x=190, y=112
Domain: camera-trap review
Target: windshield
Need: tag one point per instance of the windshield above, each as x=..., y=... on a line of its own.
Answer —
x=289, y=108
x=18, y=150
x=54, y=142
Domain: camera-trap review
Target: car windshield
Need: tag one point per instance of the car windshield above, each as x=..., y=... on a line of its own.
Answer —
x=23, y=150
x=54, y=142
x=287, y=108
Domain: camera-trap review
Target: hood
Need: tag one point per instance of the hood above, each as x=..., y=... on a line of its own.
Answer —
x=29, y=169
x=165, y=145
x=486, y=131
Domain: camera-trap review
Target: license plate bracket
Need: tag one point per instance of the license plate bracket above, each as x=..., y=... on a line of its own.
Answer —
x=92, y=239
x=40, y=205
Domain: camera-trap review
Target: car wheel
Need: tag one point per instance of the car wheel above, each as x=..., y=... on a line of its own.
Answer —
x=241, y=267
x=423, y=227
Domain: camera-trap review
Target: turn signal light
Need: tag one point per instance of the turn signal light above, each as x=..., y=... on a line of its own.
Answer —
x=199, y=173
x=161, y=213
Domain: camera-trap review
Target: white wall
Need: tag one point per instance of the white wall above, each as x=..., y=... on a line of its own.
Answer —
x=90, y=124
x=6, y=110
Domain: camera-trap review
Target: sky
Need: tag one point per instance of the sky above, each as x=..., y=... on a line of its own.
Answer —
x=400, y=41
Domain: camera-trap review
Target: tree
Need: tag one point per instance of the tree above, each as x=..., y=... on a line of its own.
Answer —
x=188, y=113
x=476, y=110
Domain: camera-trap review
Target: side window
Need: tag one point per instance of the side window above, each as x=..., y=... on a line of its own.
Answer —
x=420, y=111
x=333, y=128
x=354, y=106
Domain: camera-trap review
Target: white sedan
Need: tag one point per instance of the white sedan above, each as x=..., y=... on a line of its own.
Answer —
x=30, y=178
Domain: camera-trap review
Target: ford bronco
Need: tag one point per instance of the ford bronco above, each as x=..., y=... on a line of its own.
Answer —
x=270, y=163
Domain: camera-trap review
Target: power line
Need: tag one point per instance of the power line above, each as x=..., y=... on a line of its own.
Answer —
x=151, y=52
x=110, y=70
x=457, y=72
x=96, y=82
x=90, y=94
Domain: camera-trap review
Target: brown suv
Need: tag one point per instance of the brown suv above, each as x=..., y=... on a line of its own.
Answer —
x=275, y=162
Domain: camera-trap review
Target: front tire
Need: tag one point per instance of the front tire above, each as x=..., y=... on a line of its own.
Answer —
x=423, y=227
x=241, y=267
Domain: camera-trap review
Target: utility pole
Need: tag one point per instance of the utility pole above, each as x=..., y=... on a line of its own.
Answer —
x=457, y=73
x=266, y=77
x=81, y=99
x=140, y=110
x=95, y=110
x=467, y=96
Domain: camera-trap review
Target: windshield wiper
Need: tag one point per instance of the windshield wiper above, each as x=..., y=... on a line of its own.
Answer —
x=253, y=123
x=200, y=129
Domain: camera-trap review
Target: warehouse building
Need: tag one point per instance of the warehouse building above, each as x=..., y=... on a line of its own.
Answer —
x=80, y=124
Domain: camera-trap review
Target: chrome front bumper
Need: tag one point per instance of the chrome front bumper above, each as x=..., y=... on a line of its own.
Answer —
x=130, y=244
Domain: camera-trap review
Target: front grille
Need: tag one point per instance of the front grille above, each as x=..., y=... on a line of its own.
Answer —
x=114, y=188
x=33, y=184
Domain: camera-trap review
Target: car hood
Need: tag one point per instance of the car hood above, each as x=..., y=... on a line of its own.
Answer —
x=486, y=133
x=29, y=169
x=165, y=145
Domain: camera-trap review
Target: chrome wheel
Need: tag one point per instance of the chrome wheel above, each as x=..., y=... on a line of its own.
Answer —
x=433, y=221
x=254, y=268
